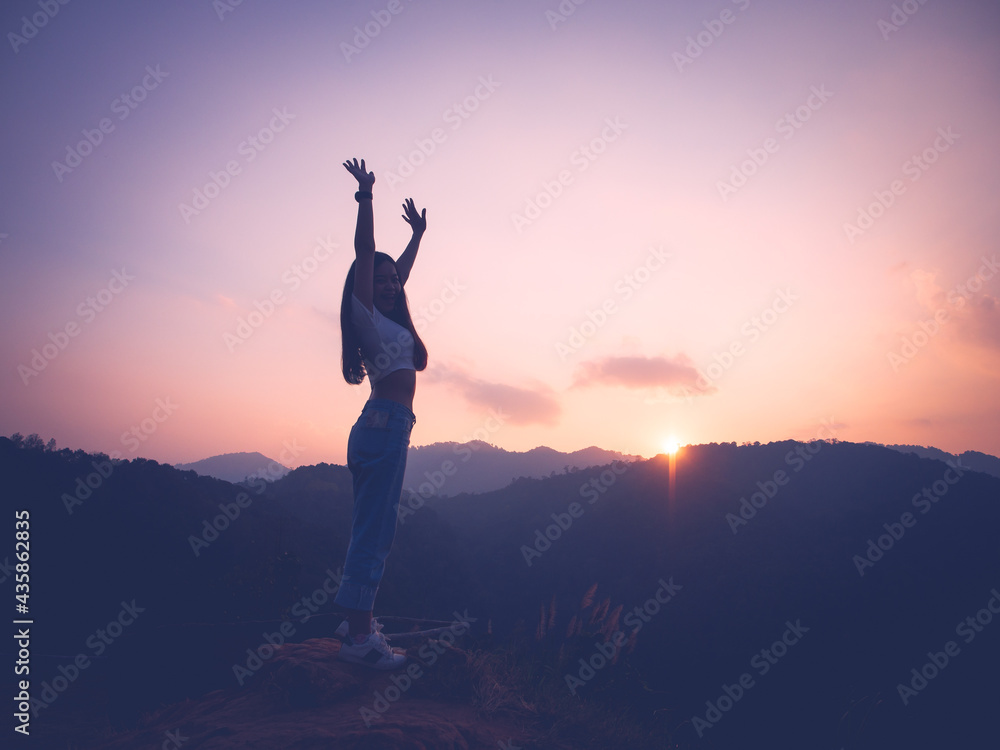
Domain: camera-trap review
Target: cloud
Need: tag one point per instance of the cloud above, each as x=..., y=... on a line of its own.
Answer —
x=521, y=406
x=973, y=314
x=677, y=375
x=982, y=323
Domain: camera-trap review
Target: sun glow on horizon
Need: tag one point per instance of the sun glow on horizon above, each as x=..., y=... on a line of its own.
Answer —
x=671, y=446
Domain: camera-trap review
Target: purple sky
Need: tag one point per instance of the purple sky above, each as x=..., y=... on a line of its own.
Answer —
x=703, y=221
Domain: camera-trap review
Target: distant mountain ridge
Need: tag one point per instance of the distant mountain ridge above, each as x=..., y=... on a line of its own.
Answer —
x=974, y=460
x=448, y=469
x=235, y=467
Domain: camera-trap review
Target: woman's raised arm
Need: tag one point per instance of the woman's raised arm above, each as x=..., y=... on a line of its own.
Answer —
x=364, y=235
x=418, y=221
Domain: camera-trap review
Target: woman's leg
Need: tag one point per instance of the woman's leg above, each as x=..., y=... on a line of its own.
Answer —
x=376, y=456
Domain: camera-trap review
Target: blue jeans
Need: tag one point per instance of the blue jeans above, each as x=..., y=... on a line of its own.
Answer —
x=376, y=456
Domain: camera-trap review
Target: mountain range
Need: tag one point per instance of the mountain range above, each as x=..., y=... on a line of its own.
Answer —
x=782, y=595
x=237, y=467
x=975, y=460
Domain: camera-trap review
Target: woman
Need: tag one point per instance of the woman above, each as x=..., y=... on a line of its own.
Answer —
x=379, y=341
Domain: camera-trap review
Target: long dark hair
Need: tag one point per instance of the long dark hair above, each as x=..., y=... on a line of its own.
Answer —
x=351, y=362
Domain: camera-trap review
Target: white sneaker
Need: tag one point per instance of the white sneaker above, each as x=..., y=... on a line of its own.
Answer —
x=342, y=632
x=373, y=652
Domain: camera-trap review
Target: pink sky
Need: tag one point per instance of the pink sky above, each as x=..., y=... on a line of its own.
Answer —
x=790, y=317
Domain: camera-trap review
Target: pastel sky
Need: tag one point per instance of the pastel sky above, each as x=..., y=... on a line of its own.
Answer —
x=718, y=221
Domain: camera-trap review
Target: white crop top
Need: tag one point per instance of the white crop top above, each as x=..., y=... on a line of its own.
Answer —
x=385, y=345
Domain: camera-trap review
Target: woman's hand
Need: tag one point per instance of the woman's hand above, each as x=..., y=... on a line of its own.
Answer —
x=418, y=221
x=365, y=179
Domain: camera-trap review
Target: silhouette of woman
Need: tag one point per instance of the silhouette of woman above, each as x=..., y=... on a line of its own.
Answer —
x=379, y=341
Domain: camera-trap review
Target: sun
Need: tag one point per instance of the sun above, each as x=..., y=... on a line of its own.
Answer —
x=671, y=445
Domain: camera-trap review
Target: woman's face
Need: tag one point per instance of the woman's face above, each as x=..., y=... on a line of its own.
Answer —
x=387, y=287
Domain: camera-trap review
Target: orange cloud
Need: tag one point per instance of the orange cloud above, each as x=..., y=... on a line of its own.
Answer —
x=522, y=406
x=972, y=312
x=678, y=374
